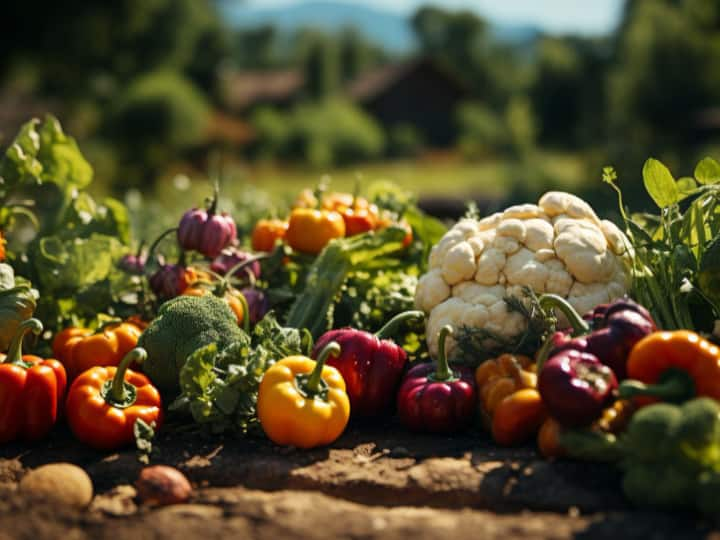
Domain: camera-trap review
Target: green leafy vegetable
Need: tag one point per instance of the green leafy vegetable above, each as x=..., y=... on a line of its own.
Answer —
x=17, y=303
x=660, y=184
x=219, y=384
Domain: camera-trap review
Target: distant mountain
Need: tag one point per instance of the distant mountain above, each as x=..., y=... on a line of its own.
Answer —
x=386, y=28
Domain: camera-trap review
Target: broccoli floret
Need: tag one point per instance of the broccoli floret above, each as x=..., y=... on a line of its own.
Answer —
x=183, y=325
x=672, y=455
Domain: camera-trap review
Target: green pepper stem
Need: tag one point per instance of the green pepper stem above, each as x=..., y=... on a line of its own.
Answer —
x=312, y=386
x=14, y=354
x=115, y=321
x=156, y=242
x=212, y=209
x=443, y=371
x=675, y=386
x=117, y=391
x=246, y=311
x=243, y=264
x=391, y=326
x=553, y=301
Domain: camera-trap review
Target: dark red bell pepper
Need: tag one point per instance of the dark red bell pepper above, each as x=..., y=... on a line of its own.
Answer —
x=371, y=366
x=613, y=331
x=436, y=398
x=575, y=387
x=32, y=390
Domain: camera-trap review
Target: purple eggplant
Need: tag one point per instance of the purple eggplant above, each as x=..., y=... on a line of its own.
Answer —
x=575, y=387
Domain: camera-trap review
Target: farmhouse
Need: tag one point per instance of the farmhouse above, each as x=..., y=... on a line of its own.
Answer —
x=416, y=92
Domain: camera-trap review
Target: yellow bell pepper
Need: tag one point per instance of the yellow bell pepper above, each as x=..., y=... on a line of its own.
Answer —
x=302, y=402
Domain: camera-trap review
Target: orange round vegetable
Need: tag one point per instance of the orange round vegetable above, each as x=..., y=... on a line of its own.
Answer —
x=518, y=417
x=267, y=233
x=309, y=231
x=549, y=438
x=79, y=349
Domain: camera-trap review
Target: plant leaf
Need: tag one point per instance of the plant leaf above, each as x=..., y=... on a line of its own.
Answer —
x=708, y=171
x=660, y=184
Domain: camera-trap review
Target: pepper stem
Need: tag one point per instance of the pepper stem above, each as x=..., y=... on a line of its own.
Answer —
x=246, y=312
x=117, y=390
x=242, y=264
x=543, y=352
x=156, y=242
x=312, y=386
x=391, y=326
x=553, y=301
x=14, y=354
x=674, y=386
x=212, y=209
x=443, y=372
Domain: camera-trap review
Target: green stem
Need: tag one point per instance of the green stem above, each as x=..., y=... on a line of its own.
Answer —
x=675, y=386
x=553, y=301
x=246, y=312
x=117, y=390
x=392, y=325
x=243, y=264
x=212, y=209
x=154, y=245
x=312, y=386
x=443, y=373
x=107, y=324
x=544, y=352
x=14, y=354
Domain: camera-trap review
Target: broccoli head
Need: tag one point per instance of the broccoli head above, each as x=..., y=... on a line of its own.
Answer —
x=183, y=325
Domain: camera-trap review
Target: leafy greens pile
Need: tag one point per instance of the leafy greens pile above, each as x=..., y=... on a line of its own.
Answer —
x=675, y=263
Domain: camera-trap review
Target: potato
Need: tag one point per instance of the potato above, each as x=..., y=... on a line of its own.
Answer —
x=58, y=483
x=162, y=485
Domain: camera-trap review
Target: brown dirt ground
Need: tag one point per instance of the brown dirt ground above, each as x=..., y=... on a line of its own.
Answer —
x=374, y=482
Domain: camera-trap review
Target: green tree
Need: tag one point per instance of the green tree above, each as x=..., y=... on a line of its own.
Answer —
x=322, y=68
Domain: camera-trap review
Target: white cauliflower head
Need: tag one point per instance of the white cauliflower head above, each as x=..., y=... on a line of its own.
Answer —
x=558, y=246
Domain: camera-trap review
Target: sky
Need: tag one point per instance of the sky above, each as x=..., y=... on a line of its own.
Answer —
x=553, y=16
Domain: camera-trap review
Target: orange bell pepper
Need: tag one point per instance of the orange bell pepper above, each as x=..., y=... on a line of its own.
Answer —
x=672, y=366
x=509, y=403
x=32, y=390
x=267, y=233
x=303, y=402
x=105, y=402
x=80, y=349
x=309, y=230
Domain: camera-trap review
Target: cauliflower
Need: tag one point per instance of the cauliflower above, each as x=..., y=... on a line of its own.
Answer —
x=558, y=246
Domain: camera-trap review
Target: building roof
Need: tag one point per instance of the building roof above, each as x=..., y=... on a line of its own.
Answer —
x=247, y=88
x=374, y=82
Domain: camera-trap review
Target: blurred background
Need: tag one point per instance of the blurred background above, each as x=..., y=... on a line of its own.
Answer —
x=474, y=99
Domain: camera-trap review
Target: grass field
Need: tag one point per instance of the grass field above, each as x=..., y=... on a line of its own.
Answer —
x=255, y=189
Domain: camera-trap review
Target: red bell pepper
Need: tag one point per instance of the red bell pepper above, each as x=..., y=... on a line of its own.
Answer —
x=31, y=390
x=436, y=398
x=105, y=402
x=371, y=366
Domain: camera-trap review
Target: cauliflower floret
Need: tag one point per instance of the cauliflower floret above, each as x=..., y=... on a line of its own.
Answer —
x=489, y=265
x=459, y=263
x=539, y=234
x=584, y=250
x=431, y=289
x=522, y=268
x=558, y=246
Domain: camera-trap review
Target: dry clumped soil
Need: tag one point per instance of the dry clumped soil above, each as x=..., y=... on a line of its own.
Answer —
x=376, y=481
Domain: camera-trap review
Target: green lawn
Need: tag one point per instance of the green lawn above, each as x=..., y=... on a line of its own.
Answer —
x=251, y=190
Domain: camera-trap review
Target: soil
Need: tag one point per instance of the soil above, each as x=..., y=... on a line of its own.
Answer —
x=374, y=482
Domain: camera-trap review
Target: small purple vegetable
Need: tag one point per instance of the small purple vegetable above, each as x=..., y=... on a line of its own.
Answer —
x=231, y=257
x=206, y=231
x=258, y=303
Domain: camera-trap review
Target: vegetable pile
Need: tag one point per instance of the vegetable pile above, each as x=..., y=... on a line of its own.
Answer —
x=541, y=322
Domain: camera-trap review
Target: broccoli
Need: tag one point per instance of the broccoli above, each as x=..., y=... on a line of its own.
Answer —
x=672, y=455
x=183, y=325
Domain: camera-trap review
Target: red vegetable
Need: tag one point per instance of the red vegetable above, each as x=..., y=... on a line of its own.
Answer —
x=370, y=365
x=31, y=390
x=575, y=387
x=436, y=398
